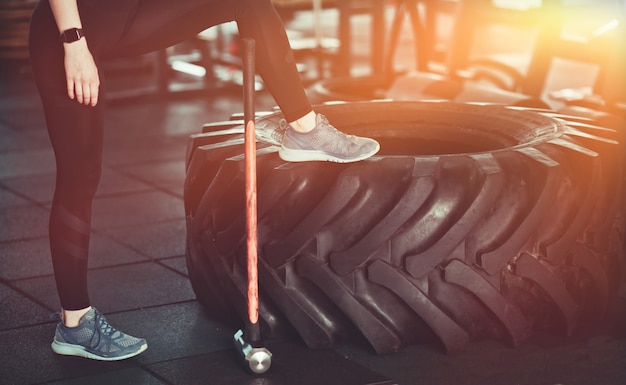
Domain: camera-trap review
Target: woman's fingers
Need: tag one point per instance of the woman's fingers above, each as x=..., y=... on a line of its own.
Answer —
x=86, y=95
x=79, y=93
x=89, y=91
x=70, y=88
x=85, y=92
x=94, y=94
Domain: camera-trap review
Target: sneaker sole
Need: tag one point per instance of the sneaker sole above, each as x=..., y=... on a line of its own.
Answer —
x=79, y=351
x=310, y=156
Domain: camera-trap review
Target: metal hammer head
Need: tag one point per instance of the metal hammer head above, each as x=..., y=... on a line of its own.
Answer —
x=258, y=359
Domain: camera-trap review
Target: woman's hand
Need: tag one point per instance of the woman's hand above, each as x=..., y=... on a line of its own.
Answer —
x=81, y=73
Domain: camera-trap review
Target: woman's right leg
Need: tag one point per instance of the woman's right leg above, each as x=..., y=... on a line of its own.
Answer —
x=75, y=132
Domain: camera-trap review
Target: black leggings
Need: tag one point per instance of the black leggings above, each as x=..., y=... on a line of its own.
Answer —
x=117, y=28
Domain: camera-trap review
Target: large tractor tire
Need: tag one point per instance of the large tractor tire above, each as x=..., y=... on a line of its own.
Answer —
x=416, y=86
x=473, y=222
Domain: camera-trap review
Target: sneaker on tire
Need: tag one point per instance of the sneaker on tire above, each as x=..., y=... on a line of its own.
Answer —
x=325, y=143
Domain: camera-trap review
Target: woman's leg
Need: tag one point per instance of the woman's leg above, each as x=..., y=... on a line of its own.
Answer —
x=75, y=131
x=309, y=136
x=158, y=24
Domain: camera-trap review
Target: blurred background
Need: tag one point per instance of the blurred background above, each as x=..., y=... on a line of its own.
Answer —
x=562, y=52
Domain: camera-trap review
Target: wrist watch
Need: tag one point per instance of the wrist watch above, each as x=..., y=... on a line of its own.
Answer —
x=71, y=35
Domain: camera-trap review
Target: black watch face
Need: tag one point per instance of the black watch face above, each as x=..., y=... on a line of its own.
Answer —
x=72, y=35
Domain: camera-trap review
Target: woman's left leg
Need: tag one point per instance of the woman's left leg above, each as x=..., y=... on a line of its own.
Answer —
x=157, y=24
x=310, y=137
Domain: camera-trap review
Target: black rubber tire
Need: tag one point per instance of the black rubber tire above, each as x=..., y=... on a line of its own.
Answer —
x=416, y=86
x=350, y=89
x=473, y=222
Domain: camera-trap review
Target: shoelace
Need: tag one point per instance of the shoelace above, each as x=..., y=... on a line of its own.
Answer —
x=332, y=128
x=103, y=325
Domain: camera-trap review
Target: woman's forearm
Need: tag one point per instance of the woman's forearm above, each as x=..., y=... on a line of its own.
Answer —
x=66, y=14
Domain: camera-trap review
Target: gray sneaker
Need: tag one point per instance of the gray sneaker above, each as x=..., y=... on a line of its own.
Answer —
x=325, y=143
x=271, y=131
x=95, y=338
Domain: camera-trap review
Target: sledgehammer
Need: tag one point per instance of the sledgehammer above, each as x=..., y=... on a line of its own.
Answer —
x=248, y=343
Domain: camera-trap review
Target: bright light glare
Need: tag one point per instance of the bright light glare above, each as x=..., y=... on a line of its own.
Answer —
x=188, y=68
x=611, y=25
x=517, y=4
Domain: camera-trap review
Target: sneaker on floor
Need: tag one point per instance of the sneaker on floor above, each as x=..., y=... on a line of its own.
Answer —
x=95, y=338
x=325, y=143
